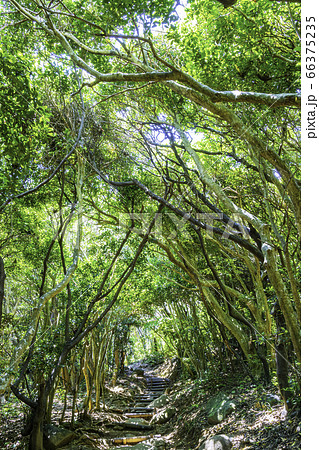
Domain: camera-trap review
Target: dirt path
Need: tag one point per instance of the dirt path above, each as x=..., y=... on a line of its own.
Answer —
x=128, y=418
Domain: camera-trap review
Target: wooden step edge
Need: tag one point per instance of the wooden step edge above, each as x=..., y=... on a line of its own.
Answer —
x=156, y=388
x=139, y=409
x=144, y=397
x=134, y=439
x=157, y=378
x=139, y=415
x=130, y=426
x=144, y=402
x=156, y=382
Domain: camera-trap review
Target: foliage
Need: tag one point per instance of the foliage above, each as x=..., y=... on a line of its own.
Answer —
x=217, y=50
x=24, y=122
x=151, y=192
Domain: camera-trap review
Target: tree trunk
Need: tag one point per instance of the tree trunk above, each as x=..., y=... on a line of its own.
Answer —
x=88, y=382
x=99, y=371
x=284, y=301
x=2, y=278
x=282, y=362
x=282, y=372
x=116, y=366
x=36, y=436
x=50, y=404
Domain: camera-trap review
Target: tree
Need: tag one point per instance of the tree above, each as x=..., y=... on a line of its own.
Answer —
x=190, y=139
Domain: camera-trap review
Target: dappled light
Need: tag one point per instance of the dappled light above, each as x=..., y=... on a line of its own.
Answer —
x=150, y=224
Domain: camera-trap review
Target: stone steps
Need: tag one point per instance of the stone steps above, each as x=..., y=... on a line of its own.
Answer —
x=155, y=387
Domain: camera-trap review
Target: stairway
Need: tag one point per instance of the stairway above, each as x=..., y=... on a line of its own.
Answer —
x=142, y=412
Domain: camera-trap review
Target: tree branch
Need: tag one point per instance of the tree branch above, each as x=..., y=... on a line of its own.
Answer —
x=36, y=188
x=24, y=344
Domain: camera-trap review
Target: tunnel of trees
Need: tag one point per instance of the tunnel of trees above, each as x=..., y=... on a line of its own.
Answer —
x=150, y=192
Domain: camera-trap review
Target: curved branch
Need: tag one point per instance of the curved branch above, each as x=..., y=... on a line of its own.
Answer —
x=270, y=100
x=187, y=216
x=245, y=134
x=257, y=98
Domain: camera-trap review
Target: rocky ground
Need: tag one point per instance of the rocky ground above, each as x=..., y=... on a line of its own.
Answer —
x=186, y=416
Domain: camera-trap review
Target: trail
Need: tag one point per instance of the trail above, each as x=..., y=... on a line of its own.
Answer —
x=138, y=416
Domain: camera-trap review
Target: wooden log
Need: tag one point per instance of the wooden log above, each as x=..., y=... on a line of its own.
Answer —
x=133, y=440
x=137, y=426
x=141, y=409
x=130, y=426
x=139, y=415
x=115, y=410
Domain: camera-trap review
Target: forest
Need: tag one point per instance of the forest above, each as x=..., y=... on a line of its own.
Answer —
x=150, y=224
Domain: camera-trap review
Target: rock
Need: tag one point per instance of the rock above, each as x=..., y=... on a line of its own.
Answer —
x=271, y=399
x=218, y=408
x=218, y=442
x=160, y=401
x=163, y=416
x=57, y=437
x=158, y=443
